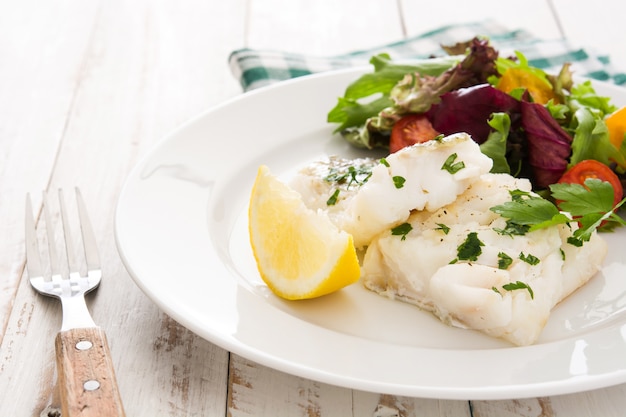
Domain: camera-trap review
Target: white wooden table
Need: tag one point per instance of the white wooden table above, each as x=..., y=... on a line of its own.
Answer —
x=87, y=87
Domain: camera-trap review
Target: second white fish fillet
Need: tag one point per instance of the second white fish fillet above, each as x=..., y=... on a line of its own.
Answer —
x=420, y=267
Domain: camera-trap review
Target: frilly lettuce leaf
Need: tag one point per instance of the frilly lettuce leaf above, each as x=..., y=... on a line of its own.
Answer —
x=374, y=102
x=369, y=94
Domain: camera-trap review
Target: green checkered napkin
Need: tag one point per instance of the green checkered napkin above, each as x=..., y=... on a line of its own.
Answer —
x=258, y=68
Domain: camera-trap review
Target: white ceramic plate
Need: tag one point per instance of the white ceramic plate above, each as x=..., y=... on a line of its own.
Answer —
x=181, y=228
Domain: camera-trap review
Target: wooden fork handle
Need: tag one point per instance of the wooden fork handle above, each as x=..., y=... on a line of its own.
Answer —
x=86, y=376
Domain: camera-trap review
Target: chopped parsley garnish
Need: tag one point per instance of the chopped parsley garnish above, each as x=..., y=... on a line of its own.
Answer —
x=398, y=181
x=445, y=229
x=470, y=249
x=352, y=175
x=384, y=162
x=574, y=241
x=451, y=166
x=402, y=230
x=529, y=259
x=518, y=195
x=504, y=260
x=513, y=229
x=332, y=200
x=519, y=285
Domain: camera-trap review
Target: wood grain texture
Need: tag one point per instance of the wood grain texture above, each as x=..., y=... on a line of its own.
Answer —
x=535, y=16
x=140, y=70
x=35, y=110
x=87, y=381
x=322, y=27
x=260, y=391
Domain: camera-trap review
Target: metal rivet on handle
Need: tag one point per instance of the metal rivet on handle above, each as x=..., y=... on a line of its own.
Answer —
x=91, y=385
x=84, y=345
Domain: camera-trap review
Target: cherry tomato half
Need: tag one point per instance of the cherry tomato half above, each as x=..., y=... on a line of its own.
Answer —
x=409, y=130
x=590, y=168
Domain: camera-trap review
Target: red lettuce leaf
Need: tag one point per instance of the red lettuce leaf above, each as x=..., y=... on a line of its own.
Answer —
x=537, y=141
x=469, y=109
x=549, y=146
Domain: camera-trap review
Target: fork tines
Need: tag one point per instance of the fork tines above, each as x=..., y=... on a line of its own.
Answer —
x=33, y=254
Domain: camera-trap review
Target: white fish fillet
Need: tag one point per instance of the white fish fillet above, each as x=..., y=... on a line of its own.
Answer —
x=379, y=204
x=418, y=267
x=319, y=181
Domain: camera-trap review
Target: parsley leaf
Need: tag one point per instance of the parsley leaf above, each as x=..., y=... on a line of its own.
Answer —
x=596, y=196
x=590, y=205
x=588, y=223
x=529, y=259
x=398, y=181
x=332, y=200
x=527, y=213
x=519, y=285
x=526, y=210
x=445, y=229
x=402, y=230
x=470, y=249
x=513, y=229
x=557, y=219
x=504, y=260
x=451, y=166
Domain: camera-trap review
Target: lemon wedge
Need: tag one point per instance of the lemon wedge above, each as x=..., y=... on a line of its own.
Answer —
x=299, y=252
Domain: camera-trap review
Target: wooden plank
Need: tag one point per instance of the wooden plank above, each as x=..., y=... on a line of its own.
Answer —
x=260, y=391
x=146, y=68
x=39, y=73
x=603, y=402
x=322, y=27
x=535, y=16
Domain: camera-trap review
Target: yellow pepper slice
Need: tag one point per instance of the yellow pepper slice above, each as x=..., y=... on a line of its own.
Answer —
x=616, y=123
x=540, y=90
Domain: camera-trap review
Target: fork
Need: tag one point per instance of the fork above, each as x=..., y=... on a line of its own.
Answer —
x=85, y=371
